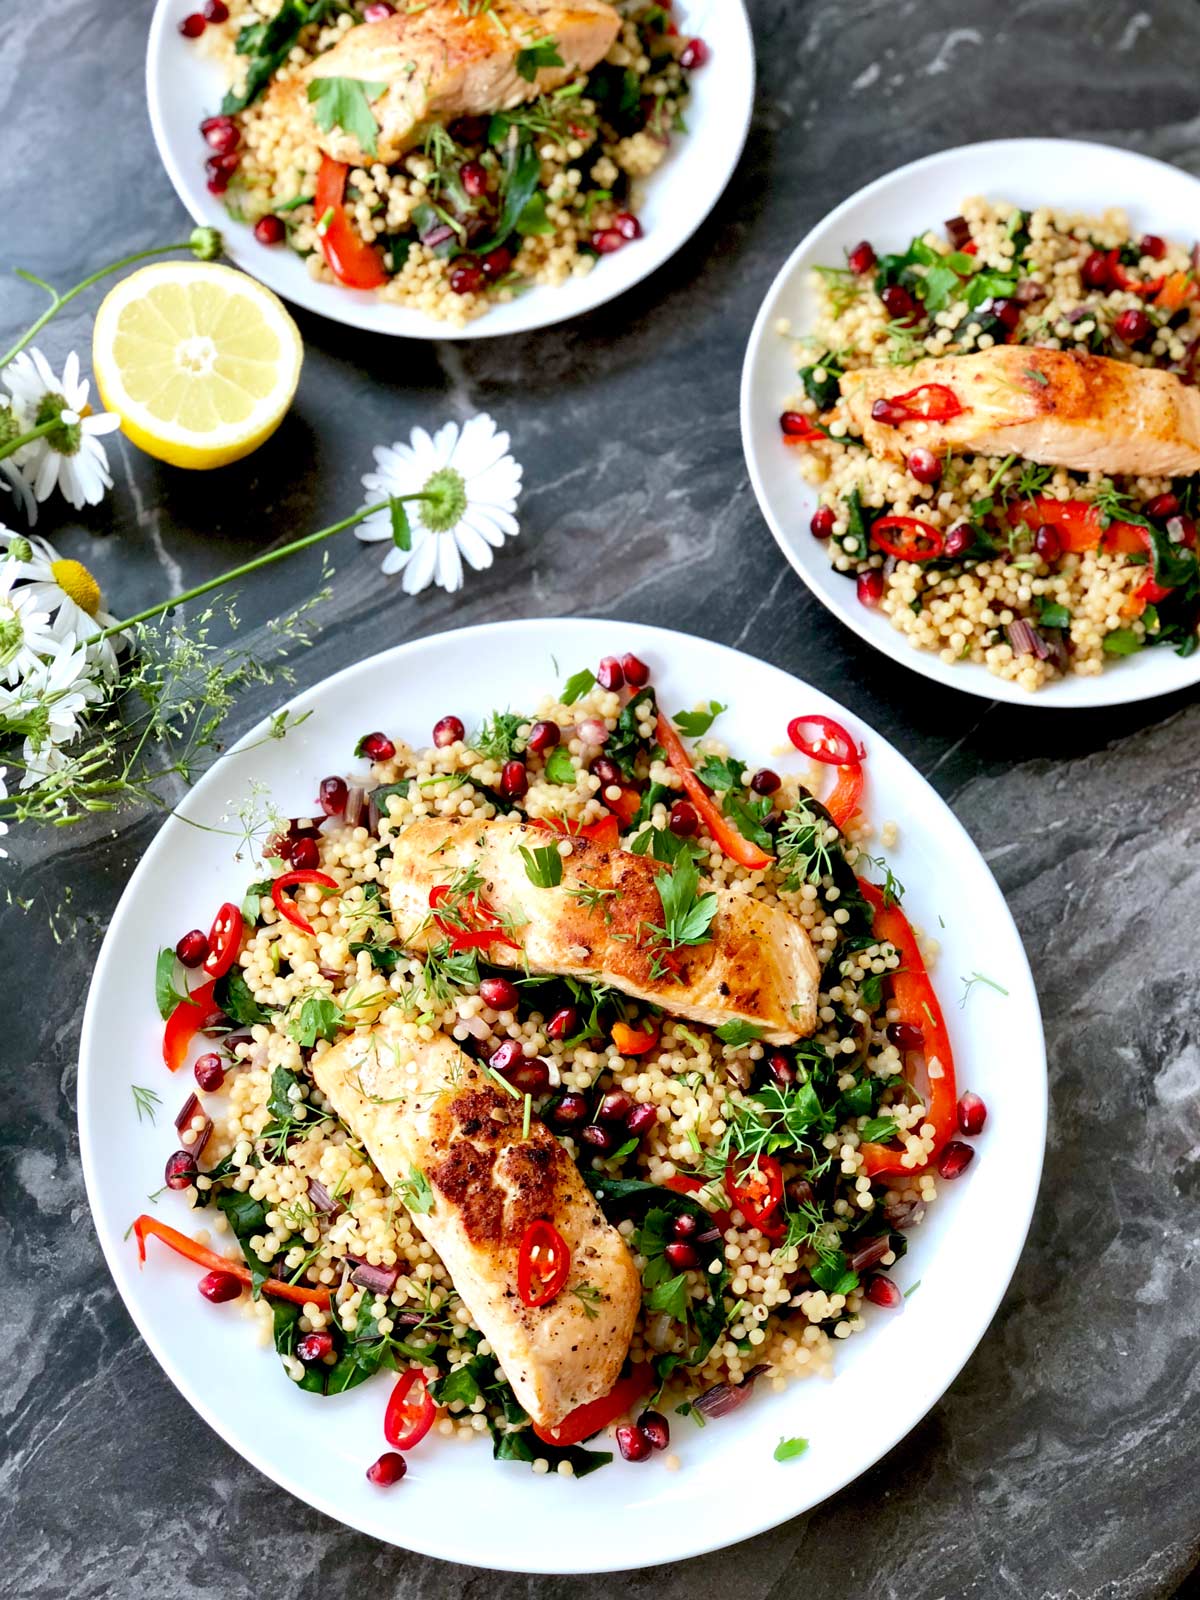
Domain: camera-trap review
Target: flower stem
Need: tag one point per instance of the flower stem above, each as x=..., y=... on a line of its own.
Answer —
x=23, y=439
x=58, y=301
x=259, y=561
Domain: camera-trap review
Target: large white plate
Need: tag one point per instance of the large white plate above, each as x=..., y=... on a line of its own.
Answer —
x=184, y=86
x=1029, y=172
x=456, y=1502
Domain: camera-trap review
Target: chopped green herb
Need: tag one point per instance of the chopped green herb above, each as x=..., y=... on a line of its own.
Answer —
x=146, y=1101
x=346, y=103
x=694, y=724
x=978, y=977
x=577, y=685
x=738, y=1032
x=559, y=766
x=541, y=53
x=789, y=1449
x=543, y=865
x=414, y=1192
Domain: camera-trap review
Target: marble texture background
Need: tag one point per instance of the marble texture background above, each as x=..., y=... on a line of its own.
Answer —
x=1062, y=1462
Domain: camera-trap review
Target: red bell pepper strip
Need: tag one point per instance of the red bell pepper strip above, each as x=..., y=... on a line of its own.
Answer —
x=188, y=1017
x=351, y=259
x=472, y=924
x=301, y=1294
x=928, y=402
x=757, y=1192
x=846, y=794
x=1078, y=524
x=632, y=1042
x=285, y=906
x=1122, y=279
x=606, y=832
x=908, y=538
x=744, y=851
x=543, y=1264
x=410, y=1411
x=588, y=1419
x=1175, y=290
x=626, y=806
x=822, y=739
x=224, y=937
x=914, y=997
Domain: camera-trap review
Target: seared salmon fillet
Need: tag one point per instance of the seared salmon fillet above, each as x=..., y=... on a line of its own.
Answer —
x=449, y=59
x=1055, y=407
x=756, y=966
x=429, y=1107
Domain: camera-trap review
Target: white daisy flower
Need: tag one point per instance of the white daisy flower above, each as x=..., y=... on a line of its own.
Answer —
x=25, y=633
x=473, y=484
x=70, y=457
x=10, y=473
x=3, y=796
x=69, y=592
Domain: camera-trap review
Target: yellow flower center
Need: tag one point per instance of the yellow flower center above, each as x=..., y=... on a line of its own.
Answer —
x=77, y=583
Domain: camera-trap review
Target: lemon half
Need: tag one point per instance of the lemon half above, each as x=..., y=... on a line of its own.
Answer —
x=199, y=362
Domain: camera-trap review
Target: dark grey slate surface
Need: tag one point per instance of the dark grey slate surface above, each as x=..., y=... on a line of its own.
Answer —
x=1062, y=1463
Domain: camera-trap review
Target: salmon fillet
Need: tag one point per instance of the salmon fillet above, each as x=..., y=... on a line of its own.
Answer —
x=1055, y=407
x=426, y=1105
x=448, y=60
x=757, y=966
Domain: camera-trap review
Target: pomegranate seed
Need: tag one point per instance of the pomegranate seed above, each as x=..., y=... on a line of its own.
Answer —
x=563, y=1023
x=972, y=1114
x=505, y=1057
x=959, y=540
x=822, y=522
x=391, y=1466
x=1162, y=507
x=496, y=263
x=656, y=1428
x=314, y=1346
x=695, y=53
x=192, y=948
x=332, y=796
x=216, y=11
x=607, y=770
x=514, y=779
x=305, y=855
x=219, y=1287
x=1153, y=246
x=593, y=731
x=637, y=673
x=627, y=225
x=467, y=276
x=1133, y=327
x=209, y=1072
x=543, y=736
x=684, y=819
x=765, y=781
x=609, y=674
x=570, y=1111
x=924, y=465
x=861, y=259
x=685, y=1225
x=632, y=1442
x=180, y=1170
x=221, y=134
x=1008, y=311
x=466, y=130
x=640, y=1120
x=781, y=1068
x=606, y=240
x=377, y=11
x=192, y=27
x=905, y=1037
x=881, y=1291
x=800, y=1193
x=377, y=747
x=530, y=1077
x=601, y=1139
x=498, y=993
x=1095, y=271
x=1182, y=530
x=270, y=230
x=955, y=1159
x=474, y=178
x=869, y=587
x=899, y=304
x=615, y=1106
x=448, y=731
x=681, y=1255
x=1047, y=543
x=795, y=425
x=220, y=169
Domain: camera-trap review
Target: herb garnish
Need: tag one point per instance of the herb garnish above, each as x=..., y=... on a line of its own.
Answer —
x=789, y=1449
x=541, y=53
x=414, y=1192
x=145, y=1100
x=543, y=865
x=346, y=103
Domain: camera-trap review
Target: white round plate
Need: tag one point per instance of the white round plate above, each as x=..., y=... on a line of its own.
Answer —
x=456, y=1502
x=184, y=86
x=1029, y=173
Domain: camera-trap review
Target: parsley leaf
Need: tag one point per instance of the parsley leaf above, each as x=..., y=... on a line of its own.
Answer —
x=559, y=766
x=319, y=1017
x=166, y=995
x=670, y=1296
x=789, y=1449
x=233, y=996
x=687, y=914
x=693, y=724
x=543, y=865
x=879, y=1130
x=738, y=1032
x=541, y=53
x=577, y=685
x=384, y=957
x=346, y=103
x=415, y=1194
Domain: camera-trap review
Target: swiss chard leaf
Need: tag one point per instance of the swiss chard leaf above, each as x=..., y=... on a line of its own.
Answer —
x=522, y=174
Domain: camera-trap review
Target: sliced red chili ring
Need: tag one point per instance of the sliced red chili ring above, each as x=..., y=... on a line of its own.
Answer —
x=908, y=538
x=822, y=739
x=292, y=880
x=756, y=1190
x=410, y=1411
x=474, y=925
x=224, y=937
x=543, y=1264
x=928, y=402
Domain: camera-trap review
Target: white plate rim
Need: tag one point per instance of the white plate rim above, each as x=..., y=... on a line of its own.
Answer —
x=359, y=309
x=1116, y=685
x=699, y=1539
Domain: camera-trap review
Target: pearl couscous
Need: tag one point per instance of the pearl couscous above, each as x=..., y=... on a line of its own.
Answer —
x=763, y=1192
x=1031, y=570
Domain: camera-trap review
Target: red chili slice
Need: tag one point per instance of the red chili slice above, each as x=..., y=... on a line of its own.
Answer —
x=928, y=402
x=410, y=1411
x=908, y=538
x=543, y=1265
x=188, y=1017
x=823, y=739
x=285, y=906
x=757, y=1192
x=224, y=937
x=475, y=924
